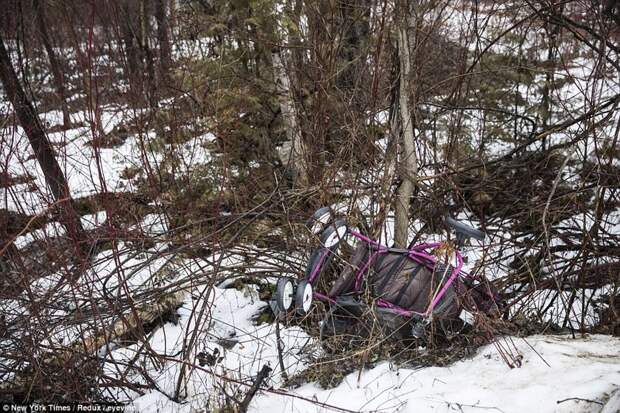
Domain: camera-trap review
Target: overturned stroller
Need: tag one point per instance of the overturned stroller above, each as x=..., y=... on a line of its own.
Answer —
x=403, y=290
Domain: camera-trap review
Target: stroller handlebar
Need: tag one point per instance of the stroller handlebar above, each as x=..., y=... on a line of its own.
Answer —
x=464, y=230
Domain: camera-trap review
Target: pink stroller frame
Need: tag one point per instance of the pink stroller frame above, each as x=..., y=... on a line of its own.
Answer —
x=301, y=294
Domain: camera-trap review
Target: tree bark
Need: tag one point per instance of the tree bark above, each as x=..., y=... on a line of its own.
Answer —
x=355, y=18
x=546, y=105
x=163, y=38
x=54, y=176
x=147, y=52
x=54, y=65
x=296, y=158
x=407, y=162
x=130, y=31
x=173, y=8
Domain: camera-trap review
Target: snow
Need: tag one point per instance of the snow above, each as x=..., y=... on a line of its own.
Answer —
x=89, y=170
x=582, y=368
x=229, y=318
x=558, y=372
x=613, y=404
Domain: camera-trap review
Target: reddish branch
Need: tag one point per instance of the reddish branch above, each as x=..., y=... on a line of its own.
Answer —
x=42, y=148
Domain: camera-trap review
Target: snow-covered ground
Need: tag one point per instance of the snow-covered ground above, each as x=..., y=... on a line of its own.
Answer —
x=558, y=373
x=217, y=345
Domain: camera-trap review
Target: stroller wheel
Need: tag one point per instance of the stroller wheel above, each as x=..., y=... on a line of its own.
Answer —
x=303, y=298
x=285, y=291
x=319, y=220
x=333, y=234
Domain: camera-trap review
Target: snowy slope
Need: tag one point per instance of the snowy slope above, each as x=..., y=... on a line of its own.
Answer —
x=587, y=368
x=558, y=373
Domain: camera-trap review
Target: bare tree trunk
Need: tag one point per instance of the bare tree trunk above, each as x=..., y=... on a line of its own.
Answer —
x=76, y=35
x=163, y=38
x=355, y=18
x=54, y=66
x=296, y=158
x=172, y=20
x=407, y=162
x=130, y=30
x=54, y=176
x=546, y=105
x=147, y=52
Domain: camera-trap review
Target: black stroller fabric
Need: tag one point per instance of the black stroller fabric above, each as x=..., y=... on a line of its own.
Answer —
x=399, y=280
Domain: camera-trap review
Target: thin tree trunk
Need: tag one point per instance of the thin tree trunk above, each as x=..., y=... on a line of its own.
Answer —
x=172, y=20
x=296, y=159
x=547, y=107
x=147, y=52
x=407, y=162
x=130, y=30
x=163, y=38
x=54, y=65
x=355, y=18
x=85, y=71
x=54, y=176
